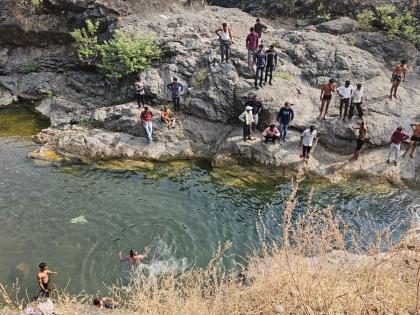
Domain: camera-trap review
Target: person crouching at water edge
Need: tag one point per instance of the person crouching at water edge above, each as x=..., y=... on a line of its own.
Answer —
x=308, y=138
x=146, y=118
x=271, y=133
x=105, y=302
x=134, y=257
x=247, y=120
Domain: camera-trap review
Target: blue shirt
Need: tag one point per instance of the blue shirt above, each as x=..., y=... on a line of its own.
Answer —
x=260, y=59
x=175, y=89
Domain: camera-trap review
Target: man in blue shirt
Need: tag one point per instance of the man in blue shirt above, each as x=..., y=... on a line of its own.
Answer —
x=176, y=89
x=260, y=61
x=285, y=116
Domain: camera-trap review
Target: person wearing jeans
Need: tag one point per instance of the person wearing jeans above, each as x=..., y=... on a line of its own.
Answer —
x=146, y=118
x=285, y=116
x=260, y=61
x=176, y=88
x=247, y=121
x=394, y=150
x=226, y=38
x=271, y=64
x=252, y=46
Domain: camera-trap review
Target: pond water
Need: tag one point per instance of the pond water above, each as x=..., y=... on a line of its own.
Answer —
x=181, y=211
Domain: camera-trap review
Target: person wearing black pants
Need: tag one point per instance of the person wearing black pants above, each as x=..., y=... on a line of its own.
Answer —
x=260, y=61
x=140, y=91
x=176, y=88
x=271, y=64
x=356, y=101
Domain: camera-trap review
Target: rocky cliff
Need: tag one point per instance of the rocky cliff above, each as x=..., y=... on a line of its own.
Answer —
x=37, y=62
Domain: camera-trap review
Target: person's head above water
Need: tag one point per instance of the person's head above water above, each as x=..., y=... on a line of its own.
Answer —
x=133, y=252
x=43, y=266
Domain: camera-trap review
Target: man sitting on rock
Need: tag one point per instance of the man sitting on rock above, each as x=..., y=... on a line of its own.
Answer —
x=247, y=120
x=271, y=133
x=397, y=137
x=415, y=138
x=146, y=118
x=344, y=92
x=398, y=75
x=361, y=139
x=308, y=138
x=168, y=117
x=326, y=96
x=256, y=110
x=285, y=116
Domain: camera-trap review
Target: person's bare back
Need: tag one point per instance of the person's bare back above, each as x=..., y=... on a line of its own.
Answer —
x=134, y=257
x=363, y=133
x=416, y=128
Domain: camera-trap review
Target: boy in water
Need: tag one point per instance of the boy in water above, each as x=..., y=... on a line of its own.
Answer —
x=134, y=257
x=44, y=280
x=398, y=75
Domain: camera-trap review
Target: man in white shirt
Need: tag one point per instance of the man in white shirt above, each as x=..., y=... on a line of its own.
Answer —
x=344, y=92
x=308, y=138
x=356, y=100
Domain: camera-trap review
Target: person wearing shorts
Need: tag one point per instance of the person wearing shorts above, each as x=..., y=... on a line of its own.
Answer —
x=360, y=140
x=308, y=138
x=398, y=75
x=326, y=96
x=414, y=140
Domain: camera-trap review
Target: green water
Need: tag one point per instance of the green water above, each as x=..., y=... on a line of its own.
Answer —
x=181, y=211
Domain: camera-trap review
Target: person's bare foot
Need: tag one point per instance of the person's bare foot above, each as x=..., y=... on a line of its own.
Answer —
x=395, y=96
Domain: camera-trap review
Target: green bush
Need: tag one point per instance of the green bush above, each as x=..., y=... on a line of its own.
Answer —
x=33, y=2
x=365, y=20
x=28, y=68
x=122, y=55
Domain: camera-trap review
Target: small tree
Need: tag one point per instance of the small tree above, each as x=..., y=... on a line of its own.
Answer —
x=87, y=42
x=365, y=20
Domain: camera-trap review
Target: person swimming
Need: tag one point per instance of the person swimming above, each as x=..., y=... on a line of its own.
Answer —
x=134, y=257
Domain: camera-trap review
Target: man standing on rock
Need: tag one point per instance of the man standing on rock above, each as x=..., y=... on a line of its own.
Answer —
x=140, y=91
x=260, y=61
x=176, y=88
x=256, y=110
x=397, y=137
x=398, y=75
x=252, y=46
x=326, y=96
x=285, y=116
x=259, y=28
x=247, y=121
x=356, y=101
x=271, y=64
x=344, y=92
x=147, y=118
x=271, y=133
x=226, y=39
x=363, y=134
x=415, y=139
x=308, y=138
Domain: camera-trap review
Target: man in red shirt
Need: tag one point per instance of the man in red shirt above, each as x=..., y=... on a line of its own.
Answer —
x=146, y=118
x=397, y=137
x=252, y=46
x=259, y=29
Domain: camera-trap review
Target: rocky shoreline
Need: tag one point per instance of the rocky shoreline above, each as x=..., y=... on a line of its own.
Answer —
x=84, y=125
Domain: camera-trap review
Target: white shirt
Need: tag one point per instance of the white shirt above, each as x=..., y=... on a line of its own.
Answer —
x=225, y=35
x=345, y=92
x=308, y=137
x=357, y=95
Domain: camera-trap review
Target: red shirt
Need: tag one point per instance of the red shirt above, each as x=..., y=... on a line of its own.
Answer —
x=398, y=136
x=146, y=116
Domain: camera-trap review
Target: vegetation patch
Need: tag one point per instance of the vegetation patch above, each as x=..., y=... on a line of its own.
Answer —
x=29, y=67
x=283, y=75
x=118, y=57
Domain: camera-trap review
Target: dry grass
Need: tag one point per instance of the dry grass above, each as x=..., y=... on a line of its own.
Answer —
x=317, y=266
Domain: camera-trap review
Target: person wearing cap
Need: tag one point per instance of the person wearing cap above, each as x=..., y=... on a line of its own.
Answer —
x=247, y=120
x=326, y=96
x=134, y=257
x=344, y=92
x=256, y=110
x=271, y=133
x=356, y=101
x=394, y=150
x=259, y=29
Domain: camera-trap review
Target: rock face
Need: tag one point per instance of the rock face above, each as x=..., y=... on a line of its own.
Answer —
x=6, y=98
x=215, y=92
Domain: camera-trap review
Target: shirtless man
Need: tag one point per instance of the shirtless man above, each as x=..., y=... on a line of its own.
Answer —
x=398, y=75
x=414, y=140
x=360, y=140
x=326, y=96
x=134, y=258
x=44, y=280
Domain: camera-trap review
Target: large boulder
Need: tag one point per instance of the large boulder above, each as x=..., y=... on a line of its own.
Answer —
x=7, y=98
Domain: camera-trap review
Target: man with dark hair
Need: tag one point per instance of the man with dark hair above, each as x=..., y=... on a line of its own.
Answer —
x=356, y=101
x=271, y=63
x=271, y=133
x=308, y=138
x=259, y=28
x=397, y=137
x=44, y=280
x=176, y=88
x=140, y=91
x=284, y=117
x=345, y=92
x=256, y=110
x=226, y=39
x=260, y=61
x=247, y=120
x=105, y=302
x=415, y=138
x=252, y=46
x=326, y=96
x=146, y=118
x=398, y=75
x=361, y=139
x=134, y=257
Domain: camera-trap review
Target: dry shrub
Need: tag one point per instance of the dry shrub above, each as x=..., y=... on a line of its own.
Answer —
x=313, y=264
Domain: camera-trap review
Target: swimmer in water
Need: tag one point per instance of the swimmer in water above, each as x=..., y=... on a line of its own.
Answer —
x=134, y=258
